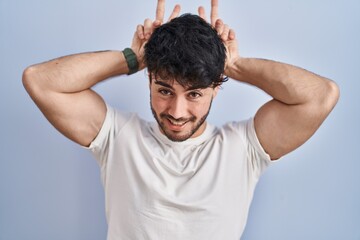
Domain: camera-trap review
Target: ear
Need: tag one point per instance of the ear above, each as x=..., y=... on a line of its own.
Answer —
x=215, y=91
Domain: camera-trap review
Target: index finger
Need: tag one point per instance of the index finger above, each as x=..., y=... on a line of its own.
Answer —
x=160, y=11
x=175, y=12
x=214, y=14
x=201, y=12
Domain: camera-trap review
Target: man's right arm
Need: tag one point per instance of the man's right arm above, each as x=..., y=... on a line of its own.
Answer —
x=61, y=88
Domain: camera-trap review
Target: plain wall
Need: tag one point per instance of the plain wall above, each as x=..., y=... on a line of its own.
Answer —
x=50, y=187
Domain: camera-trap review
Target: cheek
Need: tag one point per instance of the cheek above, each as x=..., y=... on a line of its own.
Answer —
x=199, y=109
x=158, y=104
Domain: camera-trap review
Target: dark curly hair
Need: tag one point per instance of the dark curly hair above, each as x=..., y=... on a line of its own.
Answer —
x=188, y=50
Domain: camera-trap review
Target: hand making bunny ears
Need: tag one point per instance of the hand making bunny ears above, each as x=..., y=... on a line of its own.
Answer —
x=143, y=32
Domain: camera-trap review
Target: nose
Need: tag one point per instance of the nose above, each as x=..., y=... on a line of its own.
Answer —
x=178, y=108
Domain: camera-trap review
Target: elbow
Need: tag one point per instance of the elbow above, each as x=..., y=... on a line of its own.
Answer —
x=326, y=98
x=29, y=79
x=332, y=94
x=27, y=76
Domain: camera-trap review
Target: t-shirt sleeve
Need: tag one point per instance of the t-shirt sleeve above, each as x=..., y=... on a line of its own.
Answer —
x=243, y=137
x=259, y=159
x=113, y=123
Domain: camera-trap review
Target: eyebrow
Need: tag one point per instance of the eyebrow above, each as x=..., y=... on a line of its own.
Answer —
x=171, y=87
x=163, y=84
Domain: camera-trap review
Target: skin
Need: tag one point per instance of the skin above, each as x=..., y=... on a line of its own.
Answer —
x=180, y=112
x=61, y=88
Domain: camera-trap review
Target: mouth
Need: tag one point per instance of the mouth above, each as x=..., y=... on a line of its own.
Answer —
x=176, y=125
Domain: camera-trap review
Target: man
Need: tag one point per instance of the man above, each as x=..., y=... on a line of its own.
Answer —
x=180, y=178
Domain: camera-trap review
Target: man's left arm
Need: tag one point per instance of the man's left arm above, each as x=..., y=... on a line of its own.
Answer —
x=301, y=101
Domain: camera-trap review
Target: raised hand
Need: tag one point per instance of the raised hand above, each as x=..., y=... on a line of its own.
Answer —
x=225, y=32
x=143, y=32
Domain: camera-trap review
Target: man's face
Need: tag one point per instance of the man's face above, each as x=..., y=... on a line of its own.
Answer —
x=180, y=112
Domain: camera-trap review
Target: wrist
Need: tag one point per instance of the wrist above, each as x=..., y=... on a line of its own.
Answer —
x=233, y=67
x=131, y=60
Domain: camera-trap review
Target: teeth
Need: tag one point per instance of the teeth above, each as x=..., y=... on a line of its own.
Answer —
x=177, y=123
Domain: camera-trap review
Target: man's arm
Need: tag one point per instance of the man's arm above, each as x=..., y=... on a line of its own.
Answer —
x=61, y=90
x=301, y=102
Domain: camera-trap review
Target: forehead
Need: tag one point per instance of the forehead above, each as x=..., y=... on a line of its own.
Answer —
x=178, y=81
x=175, y=85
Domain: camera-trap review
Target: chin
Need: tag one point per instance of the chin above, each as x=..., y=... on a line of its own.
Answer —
x=177, y=138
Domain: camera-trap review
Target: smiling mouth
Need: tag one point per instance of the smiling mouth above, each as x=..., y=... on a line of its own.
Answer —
x=176, y=123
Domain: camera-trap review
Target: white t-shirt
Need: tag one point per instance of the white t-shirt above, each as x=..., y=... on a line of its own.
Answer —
x=156, y=189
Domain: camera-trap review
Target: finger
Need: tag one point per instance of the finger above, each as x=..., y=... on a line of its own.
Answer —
x=160, y=11
x=231, y=34
x=219, y=26
x=175, y=12
x=140, y=31
x=148, y=28
x=225, y=33
x=214, y=14
x=201, y=11
x=156, y=24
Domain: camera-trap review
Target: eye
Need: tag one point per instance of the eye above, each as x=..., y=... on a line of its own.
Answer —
x=194, y=95
x=165, y=92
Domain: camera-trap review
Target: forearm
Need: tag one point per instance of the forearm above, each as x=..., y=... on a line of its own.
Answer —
x=75, y=73
x=285, y=83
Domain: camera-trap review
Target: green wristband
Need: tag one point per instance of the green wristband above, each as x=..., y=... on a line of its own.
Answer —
x=131, y=60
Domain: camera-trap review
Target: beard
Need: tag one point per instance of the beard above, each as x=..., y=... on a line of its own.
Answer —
x=197, y=123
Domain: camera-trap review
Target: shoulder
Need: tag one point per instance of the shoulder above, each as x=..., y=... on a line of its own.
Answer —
x=115, y=121
x=243, y=133
x=119, y=118
x=236, y=129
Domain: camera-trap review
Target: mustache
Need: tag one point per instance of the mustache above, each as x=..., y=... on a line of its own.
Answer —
x=164, y=115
